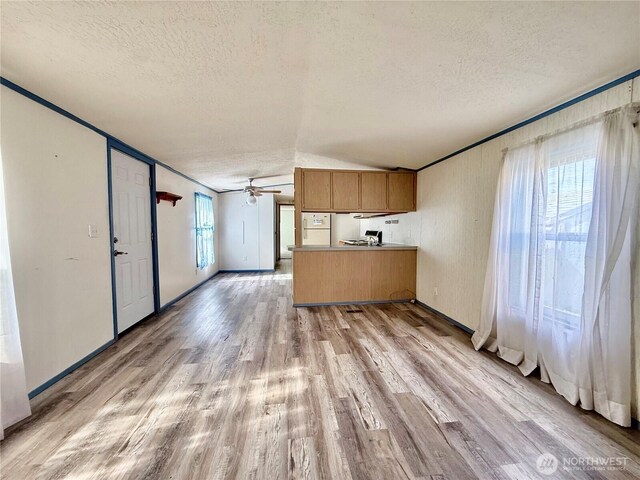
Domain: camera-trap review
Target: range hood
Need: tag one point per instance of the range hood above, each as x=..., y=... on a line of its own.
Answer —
x=365, y=216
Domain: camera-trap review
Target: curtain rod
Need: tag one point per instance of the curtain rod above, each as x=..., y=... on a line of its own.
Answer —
x=582, y=123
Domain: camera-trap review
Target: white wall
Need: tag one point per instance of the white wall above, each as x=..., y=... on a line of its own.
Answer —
x=56, y=185
x=177, y=238
x=247, y=232
x=344, y=227
x=455, y=209
x=287, y=233
x=406, y=231
x=455, y=203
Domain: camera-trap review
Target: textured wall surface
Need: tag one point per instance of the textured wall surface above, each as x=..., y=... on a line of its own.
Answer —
x=247, y=232
x=227, y=90
x=456, y=201
x=177, y=238
x=407, y=230
x=56, y=186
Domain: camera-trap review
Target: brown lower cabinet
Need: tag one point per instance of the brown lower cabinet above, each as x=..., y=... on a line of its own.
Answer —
x=344, y=276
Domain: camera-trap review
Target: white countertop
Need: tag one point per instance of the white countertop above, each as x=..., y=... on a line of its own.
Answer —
x=384, y=246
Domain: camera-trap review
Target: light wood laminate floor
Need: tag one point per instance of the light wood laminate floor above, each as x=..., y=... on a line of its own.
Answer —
x=232, y=382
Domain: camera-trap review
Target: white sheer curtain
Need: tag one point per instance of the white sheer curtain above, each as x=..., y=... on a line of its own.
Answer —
x=14, y=403
x=604, y=373
x=507, y=315
x=558, y=284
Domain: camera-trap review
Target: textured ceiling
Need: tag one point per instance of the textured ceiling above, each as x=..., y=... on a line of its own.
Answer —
x=223, y=91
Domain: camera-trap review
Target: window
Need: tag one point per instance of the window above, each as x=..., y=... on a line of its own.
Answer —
x=570, y=174
x=204, y=231
x=558, y=288
x=548, y=200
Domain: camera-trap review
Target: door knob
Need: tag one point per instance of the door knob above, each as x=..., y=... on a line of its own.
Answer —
x=116, y=253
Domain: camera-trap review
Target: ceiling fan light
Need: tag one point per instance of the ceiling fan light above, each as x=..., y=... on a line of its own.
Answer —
x=251, y=199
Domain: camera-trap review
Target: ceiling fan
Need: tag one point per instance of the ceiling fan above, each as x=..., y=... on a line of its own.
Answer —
x=255, y=191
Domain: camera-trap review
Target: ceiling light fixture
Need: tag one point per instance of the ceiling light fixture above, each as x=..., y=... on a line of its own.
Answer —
x=255, y=191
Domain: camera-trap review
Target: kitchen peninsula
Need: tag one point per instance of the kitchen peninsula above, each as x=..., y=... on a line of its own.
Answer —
x=334, y=274
x=353, y=274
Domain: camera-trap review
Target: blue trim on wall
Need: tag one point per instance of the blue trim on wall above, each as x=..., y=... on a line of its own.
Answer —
x=154, y=240
x=68, y=370
x=562, y=106
x=100, y=349
x=182, y=295
x=132, y=152
x=180, y=174
x=114, y=303
x=115, y=143
x=129, y=150
x=448, y=319
x=111, y=142
x=48, y=104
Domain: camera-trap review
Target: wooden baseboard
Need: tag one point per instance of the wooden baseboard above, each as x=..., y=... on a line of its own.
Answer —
x=446, y=318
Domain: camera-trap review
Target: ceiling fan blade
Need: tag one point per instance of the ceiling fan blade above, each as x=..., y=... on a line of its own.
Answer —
x=270, y=191
x=257, y=193
x=271, y=176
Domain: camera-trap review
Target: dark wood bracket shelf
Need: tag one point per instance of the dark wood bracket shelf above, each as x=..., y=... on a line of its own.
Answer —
x=169, y=197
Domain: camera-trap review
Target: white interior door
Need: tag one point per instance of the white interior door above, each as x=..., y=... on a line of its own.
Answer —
x=287, y=235
x=132, y=236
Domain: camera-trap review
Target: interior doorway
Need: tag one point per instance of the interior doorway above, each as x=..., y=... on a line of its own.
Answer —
x=286, y=235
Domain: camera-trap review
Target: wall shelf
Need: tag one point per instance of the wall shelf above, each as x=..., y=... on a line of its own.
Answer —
x=168, y=196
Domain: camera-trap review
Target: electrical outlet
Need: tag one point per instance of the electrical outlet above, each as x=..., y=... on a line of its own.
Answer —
x=244, y=258
x=93, y=231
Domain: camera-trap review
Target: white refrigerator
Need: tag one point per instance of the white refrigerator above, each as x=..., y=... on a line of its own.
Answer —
x=316, y=229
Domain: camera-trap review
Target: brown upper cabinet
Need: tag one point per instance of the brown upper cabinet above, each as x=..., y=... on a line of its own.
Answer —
x=355, y=191
x=401, y=191
x=316, y=190
x=345, y=191
x=374, y=191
